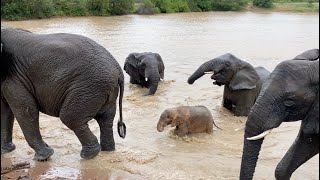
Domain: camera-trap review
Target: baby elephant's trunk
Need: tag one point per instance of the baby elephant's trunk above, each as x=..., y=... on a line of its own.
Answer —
x=162, y=121
x=160, y=126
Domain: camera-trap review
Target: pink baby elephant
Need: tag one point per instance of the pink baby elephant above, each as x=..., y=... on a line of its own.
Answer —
x=187, y=119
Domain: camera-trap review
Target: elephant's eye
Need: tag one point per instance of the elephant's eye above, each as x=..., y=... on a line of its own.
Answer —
x=289, y=102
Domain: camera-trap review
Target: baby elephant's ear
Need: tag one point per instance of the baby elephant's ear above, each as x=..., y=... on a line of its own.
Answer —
x=245, y=78
x=309, y=55
x=181, y=116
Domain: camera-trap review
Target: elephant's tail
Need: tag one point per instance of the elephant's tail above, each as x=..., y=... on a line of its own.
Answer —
x=121, y=125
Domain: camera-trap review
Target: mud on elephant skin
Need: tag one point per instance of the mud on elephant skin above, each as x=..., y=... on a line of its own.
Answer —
x=242, y=82
x=187, y=119
x=145, y=69
x=291, y=93
x=62, y=75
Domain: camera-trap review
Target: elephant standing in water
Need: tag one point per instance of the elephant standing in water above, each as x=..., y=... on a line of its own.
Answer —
x=62, y=75
x=242, y=82
x=291, y=93
x=145, y=69
x=187, y=119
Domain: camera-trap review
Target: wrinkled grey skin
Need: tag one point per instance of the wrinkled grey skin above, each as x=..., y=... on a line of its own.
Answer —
x=242, y=82
x=62, y=75
x=145, y=65
x=291, y=93
x=187, y=120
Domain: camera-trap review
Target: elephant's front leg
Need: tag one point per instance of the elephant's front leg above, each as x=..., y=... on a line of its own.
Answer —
x=133, y=80
x=26, y=111
x=226, y=101
x=7, y=119
x=305, y=147
x=105, y=122
x=244, y=100
x=181, y=130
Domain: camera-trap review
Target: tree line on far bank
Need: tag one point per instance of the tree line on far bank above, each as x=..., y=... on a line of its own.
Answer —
x=28, y=9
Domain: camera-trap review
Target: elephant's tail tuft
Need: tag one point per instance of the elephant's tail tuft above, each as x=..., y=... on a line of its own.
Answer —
x=6, y=63
x=121, y=126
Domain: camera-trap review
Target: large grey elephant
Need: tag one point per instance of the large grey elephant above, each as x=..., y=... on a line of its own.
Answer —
x=291, y=93
x=145, y=69
x=242, y=82
x=62, y=75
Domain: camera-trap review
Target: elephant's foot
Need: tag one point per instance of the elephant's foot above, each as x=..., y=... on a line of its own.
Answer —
x=43, y=154
x=7, y=147
x=108, y=148
x=89, y=152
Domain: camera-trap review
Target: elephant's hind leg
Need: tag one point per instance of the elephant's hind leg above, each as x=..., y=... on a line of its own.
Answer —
x=75, y=114
x=305, y=147
x=89, y=142
x=209, y=128
x=105, y=121
x=7, y=119
x=26, y=111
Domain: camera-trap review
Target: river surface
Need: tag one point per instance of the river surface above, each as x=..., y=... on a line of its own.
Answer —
x=184, y=41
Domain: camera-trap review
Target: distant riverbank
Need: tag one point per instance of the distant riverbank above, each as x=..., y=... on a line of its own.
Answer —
x=302, y=7
x=61, y=8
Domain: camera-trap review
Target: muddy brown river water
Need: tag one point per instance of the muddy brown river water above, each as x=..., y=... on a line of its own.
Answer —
x=184, y=41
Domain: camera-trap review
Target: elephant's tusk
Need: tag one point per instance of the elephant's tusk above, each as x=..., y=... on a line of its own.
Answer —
x=209, y=72
x=146, y=79
x=260, y=136
x=161, y=79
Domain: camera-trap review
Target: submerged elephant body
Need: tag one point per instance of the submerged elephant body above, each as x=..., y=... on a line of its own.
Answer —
x=145, y=69
x=291, y=93
x=242, y=82
x=62, y=75
x=187, y=119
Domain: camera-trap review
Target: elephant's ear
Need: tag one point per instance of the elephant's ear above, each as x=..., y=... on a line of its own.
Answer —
x=310, y=124
x=309, y=55
x=182, y=116
x=131, y=65
x=160, y=65
x=245, y=78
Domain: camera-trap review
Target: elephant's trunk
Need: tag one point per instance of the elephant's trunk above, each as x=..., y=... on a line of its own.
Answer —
x=163, y=121
x=153, y=77
x=251, y=150
x=160, y=126
x=260, y=119
x=205, y=67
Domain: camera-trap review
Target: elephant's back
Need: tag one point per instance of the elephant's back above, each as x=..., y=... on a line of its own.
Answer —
x=262, y=73
x=200, y=112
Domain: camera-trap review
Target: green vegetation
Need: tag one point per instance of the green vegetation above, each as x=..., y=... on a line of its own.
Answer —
x=28, y=9
x=296, y=7
x=262, y=3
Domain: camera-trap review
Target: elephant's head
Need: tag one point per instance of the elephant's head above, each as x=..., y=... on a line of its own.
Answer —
x=145, y=68
x=311, y=55
x=173, y=116
x=289, y=94
x=228, y=70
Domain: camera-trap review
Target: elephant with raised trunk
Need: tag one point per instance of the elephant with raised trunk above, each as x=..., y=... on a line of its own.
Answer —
x=291, y=93
x=62, y=75
x=145, y=69
x=242, y=82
